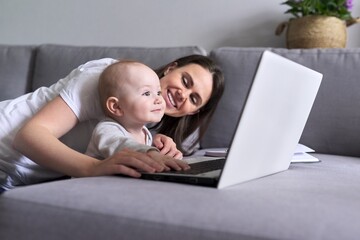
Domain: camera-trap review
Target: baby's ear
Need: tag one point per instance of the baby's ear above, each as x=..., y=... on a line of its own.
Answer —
x=113, y=107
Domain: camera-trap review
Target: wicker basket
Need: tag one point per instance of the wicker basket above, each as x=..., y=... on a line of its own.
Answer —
x=316, y=32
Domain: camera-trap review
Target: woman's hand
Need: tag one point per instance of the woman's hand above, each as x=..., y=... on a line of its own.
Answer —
x=167, y=146
x=169, y=162
x=130, y=163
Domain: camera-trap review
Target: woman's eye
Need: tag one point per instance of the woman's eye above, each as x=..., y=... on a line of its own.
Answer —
x=146, y=93
x=159, y=93
x=194, y=100
x=185, y=81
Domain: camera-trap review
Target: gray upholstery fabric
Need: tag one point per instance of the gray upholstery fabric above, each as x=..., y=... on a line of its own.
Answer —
x=309, y=201
x=16, y=65
x=333, y=125
x=56, y=61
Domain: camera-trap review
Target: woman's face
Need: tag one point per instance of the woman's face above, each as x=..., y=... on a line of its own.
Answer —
x=186, y=89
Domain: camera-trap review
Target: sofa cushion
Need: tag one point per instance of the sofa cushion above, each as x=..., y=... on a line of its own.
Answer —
x=16, y=64
x=309, y=201
x=332, y=126
x=56, y=61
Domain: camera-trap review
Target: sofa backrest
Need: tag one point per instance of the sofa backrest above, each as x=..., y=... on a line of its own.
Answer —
x=25, y=68
x=54, y=62
x=334, y=123
x=16, y=65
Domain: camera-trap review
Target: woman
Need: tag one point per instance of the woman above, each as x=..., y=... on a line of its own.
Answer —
x=184, y=115
x=33, y=123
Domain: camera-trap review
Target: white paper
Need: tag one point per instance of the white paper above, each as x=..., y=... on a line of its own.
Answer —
x=300, y=154
x=301, y=148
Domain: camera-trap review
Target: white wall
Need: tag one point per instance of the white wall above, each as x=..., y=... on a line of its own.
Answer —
x=149, y=23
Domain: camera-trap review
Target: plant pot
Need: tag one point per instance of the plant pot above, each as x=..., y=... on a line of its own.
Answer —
x=316, y=32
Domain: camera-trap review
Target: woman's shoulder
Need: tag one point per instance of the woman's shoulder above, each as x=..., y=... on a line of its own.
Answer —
x=98, y=63
x=86, y=71
x=79, y=89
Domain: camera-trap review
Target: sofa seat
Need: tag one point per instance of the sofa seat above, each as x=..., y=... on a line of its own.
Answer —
x=308, y=201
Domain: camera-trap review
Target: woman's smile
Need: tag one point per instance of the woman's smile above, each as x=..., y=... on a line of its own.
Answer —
x=170, y=100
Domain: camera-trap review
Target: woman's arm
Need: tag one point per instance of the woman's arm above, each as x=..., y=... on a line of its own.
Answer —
x=38, y=140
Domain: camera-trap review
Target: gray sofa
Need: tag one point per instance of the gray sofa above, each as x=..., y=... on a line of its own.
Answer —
x=309, y=201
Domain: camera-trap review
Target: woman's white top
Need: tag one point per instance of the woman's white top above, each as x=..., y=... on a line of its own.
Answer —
x=78, y=90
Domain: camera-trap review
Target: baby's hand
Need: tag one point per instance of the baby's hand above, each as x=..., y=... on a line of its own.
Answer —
x=169, y=162
x=167, y=146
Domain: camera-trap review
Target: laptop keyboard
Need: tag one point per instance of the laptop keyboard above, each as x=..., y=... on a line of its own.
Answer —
x=202, y=167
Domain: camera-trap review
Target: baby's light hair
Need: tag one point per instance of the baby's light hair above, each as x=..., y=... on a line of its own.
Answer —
x=109, y=84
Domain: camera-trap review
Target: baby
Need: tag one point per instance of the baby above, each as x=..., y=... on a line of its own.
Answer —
x=130, y=96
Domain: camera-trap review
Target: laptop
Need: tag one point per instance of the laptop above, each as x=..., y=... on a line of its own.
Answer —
x=268, y=130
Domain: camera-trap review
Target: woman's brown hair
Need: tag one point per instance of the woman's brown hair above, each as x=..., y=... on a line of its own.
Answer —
x=179, y=128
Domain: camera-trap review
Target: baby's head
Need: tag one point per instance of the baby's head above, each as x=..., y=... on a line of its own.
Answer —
x=130, y=93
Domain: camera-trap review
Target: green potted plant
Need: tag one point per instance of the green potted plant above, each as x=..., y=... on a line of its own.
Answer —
x=317, y=23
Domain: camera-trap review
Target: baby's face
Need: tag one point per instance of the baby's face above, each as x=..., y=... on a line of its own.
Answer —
x=143, y=102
